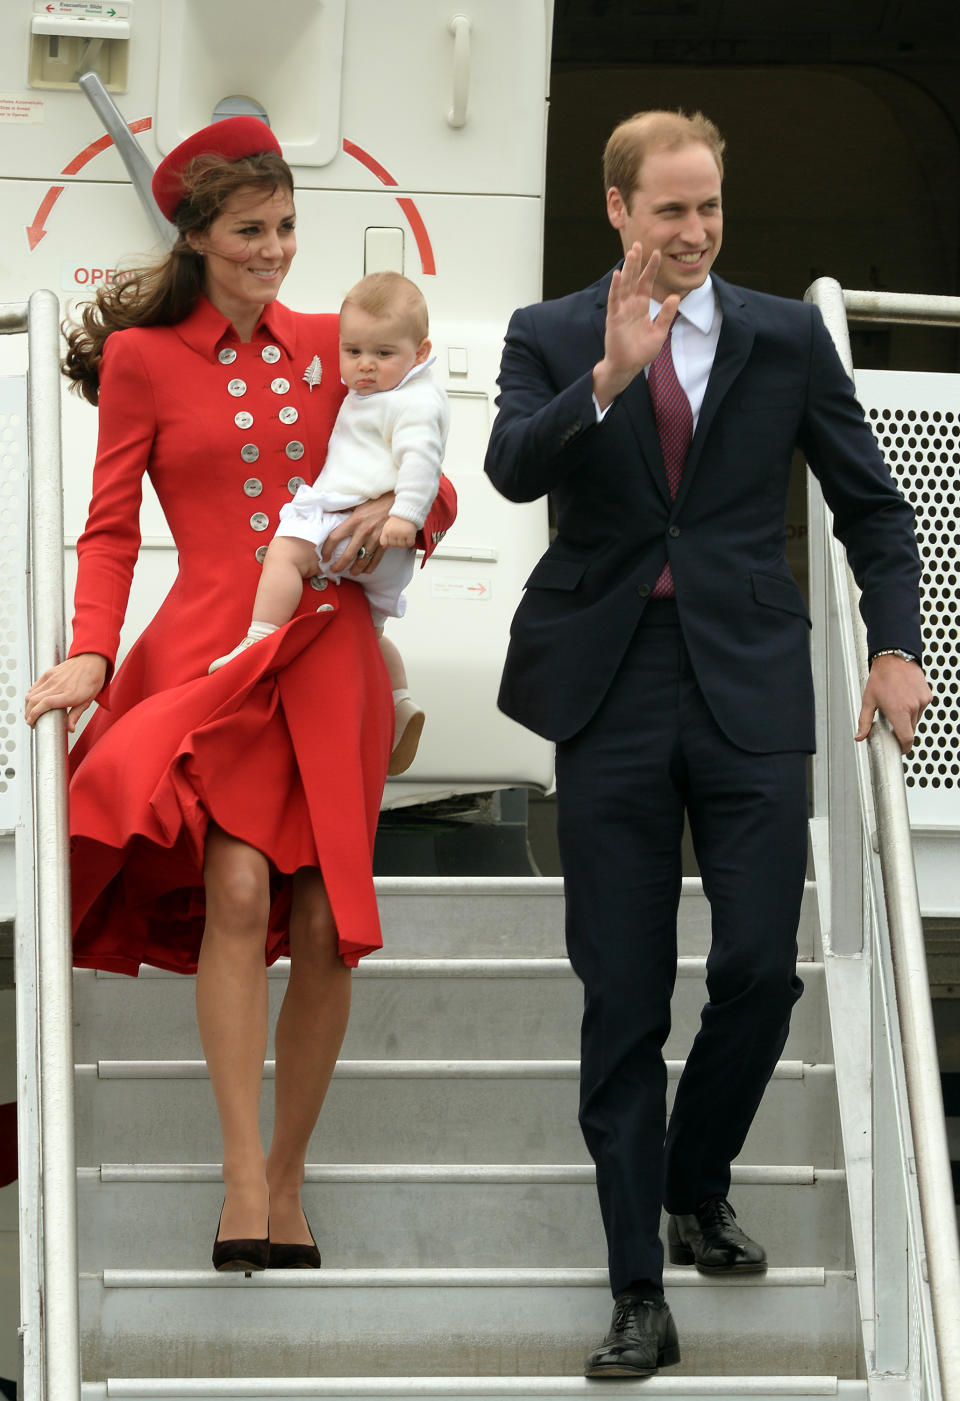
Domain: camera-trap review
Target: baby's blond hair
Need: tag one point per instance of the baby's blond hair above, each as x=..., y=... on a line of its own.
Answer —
x=388, y=295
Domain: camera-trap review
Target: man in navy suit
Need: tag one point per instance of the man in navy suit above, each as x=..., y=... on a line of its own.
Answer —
x=662, y=643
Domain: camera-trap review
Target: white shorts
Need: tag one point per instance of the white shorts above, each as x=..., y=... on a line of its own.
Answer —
x=312, y=514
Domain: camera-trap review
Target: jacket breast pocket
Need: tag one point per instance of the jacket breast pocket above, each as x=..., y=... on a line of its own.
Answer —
x=551, y=573
x=773, y=591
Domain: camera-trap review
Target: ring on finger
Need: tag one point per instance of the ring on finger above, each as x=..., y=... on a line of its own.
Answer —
x=361, y=553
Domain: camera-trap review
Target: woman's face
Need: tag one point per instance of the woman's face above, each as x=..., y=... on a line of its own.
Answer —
x=247, y=252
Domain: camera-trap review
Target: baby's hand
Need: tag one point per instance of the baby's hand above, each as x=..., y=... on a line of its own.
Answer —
x=398, y=531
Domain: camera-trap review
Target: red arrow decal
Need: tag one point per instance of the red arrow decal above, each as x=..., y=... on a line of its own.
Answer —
x=36, y=231
x=101, y=144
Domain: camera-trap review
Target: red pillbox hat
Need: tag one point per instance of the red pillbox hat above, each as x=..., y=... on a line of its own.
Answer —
x=233, y=138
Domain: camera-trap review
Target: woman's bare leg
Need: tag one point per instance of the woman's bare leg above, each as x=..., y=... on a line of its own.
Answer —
x=232, y=1017
x=309, y=1034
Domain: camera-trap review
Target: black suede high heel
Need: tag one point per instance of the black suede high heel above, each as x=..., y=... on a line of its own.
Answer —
x=294, y=1257
x=241, y=1254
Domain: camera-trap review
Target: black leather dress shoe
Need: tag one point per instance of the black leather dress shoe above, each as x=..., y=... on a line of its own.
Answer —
x=294, y=1257
x=246, y=1255
x=711, y=1239
x=642, y=1338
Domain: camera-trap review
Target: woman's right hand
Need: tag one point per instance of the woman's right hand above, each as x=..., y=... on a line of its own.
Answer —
x=72, y=686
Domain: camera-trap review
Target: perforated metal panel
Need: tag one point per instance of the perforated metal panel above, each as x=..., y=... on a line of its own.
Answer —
x=916, y=418
x=13, y=633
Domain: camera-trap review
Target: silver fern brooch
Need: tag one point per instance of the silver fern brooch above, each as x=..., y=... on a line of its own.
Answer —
x=313, y=374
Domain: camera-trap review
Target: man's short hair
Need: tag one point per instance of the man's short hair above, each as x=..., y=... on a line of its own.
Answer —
x=388, y=295
x=635, y=138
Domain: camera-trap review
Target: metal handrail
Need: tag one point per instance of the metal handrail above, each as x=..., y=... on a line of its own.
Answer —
x=60, y=1283
x=904, y=922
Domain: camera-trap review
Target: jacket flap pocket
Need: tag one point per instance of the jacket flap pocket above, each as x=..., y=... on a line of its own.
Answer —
x=773, y=591
x=556, y=574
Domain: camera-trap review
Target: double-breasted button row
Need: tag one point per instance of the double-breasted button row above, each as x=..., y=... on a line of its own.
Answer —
x=287, y=415
x=269, y=353
x=238, y=387
x=253, y=486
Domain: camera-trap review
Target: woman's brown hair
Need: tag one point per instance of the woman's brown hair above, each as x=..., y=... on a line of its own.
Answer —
x=165, y=293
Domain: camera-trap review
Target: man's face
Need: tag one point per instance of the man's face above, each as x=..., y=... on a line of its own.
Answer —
x=675, y=208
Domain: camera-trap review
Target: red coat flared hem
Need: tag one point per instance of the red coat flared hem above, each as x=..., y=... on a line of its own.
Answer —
x=285, y=748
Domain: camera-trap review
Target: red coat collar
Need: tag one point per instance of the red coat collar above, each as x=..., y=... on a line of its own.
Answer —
x=206, y=329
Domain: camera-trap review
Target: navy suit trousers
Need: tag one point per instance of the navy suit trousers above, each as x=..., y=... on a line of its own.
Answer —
x=652, y=752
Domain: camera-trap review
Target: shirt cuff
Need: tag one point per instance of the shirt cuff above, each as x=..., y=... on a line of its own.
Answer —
x=601, y=413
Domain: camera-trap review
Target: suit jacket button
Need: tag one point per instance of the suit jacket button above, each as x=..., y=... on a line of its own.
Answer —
x=673, y=532
x=643, y=590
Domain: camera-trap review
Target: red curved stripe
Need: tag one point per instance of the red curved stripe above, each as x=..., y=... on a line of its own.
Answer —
x=365, y=158
x=101, y=144
x=427, y=260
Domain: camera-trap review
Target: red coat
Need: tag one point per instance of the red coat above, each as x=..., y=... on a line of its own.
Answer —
x=285, y=748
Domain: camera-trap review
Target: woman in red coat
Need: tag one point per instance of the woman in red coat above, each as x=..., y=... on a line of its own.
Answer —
x=215, y=819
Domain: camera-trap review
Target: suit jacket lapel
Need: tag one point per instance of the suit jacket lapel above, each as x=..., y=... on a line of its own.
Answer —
x=733, y=349
x=635, y=401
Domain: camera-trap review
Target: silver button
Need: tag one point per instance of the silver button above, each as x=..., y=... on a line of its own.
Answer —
x=252, y=486
x=227, y=356
x=243, y=419
x=294, y=485
x=325, y=608
x=295, y=450
x=270, y=353
x=280, y=386
x=237, y=387
x=259, y=521
x=260, y=553
x=318, y=582
x=288, y=414
x=249, y=452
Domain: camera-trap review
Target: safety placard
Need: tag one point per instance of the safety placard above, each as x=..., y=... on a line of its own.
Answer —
x=15, y=108
x=473, y=590
x=83, y=9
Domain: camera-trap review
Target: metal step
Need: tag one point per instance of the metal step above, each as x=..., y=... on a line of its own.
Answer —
x=419, y=1111
x=507, y=916
x=513, y=1008
x=667, y=1385
x=443, y=1323
x=424, y=1215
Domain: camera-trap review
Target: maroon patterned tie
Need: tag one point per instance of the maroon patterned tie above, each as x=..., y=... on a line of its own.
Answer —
x=671, y=409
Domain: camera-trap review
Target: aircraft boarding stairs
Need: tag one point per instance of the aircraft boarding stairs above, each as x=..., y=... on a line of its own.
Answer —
x=448, y=1184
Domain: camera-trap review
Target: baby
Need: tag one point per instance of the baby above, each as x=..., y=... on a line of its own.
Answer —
x=389, y=435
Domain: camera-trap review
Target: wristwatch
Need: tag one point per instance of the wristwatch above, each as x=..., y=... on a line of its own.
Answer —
x=896, y=652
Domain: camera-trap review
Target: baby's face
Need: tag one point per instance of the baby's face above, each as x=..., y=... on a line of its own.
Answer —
x=376, y=352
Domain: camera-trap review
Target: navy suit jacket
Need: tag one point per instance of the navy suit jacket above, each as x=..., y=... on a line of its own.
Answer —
x=776, y=384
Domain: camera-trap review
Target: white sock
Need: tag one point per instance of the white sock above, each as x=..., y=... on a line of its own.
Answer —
x=261, y=630
x=398, y=696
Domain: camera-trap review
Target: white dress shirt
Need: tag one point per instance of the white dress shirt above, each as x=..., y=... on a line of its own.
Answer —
x=693, y=342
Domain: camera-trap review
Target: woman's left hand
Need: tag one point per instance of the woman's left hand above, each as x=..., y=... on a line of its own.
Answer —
x=361, y=530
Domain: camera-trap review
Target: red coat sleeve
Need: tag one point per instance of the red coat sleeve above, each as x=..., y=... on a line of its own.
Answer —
x=107, y=549
x=441, y=516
